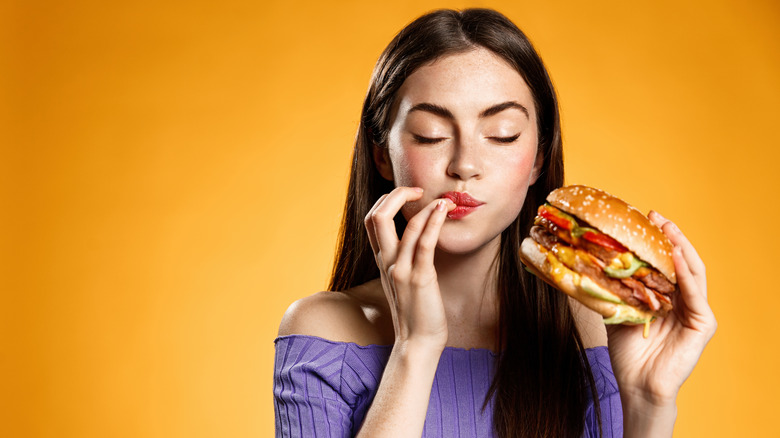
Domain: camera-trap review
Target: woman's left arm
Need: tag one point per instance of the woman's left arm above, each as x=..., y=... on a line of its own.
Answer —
x=650, y=371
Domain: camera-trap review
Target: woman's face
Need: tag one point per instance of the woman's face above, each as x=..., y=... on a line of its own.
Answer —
x=465, y=124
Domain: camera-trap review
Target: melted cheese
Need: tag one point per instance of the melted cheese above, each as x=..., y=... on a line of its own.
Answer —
x=565, y=254
x=622, y=261
x=559, y=270
x=616, y=264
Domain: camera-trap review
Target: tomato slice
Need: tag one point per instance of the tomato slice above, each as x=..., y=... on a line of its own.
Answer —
x=557, y=220
x=562, y=220
x=604, y=240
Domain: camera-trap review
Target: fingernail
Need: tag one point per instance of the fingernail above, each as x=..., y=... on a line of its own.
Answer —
x=441, y=205
x=657, y=215
x=418, y=189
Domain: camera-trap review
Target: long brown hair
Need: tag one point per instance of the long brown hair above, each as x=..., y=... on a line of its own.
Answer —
x=542, y=372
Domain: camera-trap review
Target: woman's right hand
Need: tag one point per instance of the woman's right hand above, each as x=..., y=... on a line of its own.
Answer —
x=406, y=266
x=411, y=287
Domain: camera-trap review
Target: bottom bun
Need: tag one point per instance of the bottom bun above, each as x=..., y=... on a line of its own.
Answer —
x=544, y=265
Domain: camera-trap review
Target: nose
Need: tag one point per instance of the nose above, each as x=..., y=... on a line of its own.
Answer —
x=466, y=162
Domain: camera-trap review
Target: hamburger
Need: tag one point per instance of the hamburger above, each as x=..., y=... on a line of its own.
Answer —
x=603, y=252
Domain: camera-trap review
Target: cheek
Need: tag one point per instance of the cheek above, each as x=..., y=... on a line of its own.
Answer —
x=517, y=175
x=410, y=168
x=518, y=169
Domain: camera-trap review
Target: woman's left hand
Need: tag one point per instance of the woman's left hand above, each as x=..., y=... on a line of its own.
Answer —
x=651, y=370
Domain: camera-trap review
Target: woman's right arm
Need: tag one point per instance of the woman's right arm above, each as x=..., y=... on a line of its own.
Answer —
x=411, y=287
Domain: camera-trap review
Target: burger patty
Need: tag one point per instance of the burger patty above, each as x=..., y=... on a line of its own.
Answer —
x=543, y=236
x=632, y=291
x=654, y=280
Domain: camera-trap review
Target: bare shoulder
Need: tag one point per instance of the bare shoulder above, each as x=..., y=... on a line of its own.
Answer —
x=358, y=315
x=590, y=324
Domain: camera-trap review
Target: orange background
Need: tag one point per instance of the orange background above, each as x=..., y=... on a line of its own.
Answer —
x=172, y=177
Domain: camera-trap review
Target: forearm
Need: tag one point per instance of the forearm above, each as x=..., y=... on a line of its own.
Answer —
x=645, y=418
x=401, y=402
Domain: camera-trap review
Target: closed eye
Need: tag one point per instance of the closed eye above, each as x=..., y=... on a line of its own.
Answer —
x=427, y=140
x=505, y=139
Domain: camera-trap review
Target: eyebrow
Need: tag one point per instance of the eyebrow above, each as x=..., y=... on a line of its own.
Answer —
x=444, y=112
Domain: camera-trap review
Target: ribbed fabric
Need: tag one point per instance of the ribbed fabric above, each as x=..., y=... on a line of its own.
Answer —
x=323, y=388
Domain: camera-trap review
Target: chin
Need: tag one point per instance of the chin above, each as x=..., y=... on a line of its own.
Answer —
x=464, y=245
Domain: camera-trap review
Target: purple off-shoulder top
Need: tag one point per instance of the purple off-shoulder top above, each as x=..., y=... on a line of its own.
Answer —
x=323, y=388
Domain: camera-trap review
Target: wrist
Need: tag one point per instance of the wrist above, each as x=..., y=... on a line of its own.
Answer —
x=648, y=416
x=418, y=350
x=420, y=343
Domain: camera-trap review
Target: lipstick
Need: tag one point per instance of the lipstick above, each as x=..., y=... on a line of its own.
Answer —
x=465, y=204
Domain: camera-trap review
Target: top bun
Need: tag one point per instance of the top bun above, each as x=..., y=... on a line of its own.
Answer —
x=624, y=223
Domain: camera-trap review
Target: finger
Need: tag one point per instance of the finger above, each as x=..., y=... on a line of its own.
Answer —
x=692, y=259
x=672, y=231
x=694, y=297
x=370, y=224
x=656, y=218
x=426, y=244
x=691, y=306
x=383, y=223
x=415, y=228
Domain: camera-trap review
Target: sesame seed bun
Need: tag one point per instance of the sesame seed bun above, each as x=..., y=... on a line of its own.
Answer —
x=624, y=223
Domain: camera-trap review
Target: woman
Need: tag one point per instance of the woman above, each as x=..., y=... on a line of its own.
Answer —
x=441, y=332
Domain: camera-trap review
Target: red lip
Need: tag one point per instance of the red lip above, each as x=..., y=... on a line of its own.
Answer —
x=465, y=204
